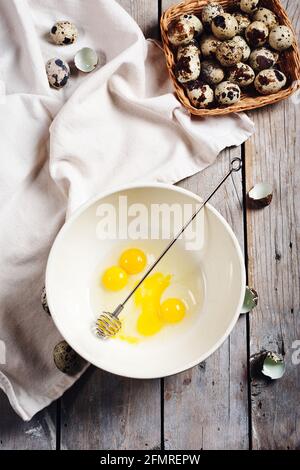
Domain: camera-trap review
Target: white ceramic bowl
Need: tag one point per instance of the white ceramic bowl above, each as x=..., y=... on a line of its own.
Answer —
x=217, y=268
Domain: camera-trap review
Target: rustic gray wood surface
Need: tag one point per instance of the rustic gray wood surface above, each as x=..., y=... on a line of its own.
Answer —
x=213, y=405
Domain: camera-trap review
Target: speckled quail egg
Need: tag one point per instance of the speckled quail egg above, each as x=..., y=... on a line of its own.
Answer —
x=269, y=81
x=266, y=16
x=208, y=46
x=281, y=38
x=211, y=10
x=242, y=74
x=189, y=50
x=257, y=33
x=224, y=26
x=249, y=6
x=211, y=72
x=239, y=41
x=200, y=94
x=183, y=29
x=66, y=359
x=58, y=72
x=243, y=21
x=262, y=58
x=227, y=93
x=229, y=53
x=63, y=33
x=187, y=69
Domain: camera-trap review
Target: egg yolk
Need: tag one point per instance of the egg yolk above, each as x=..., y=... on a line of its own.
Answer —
x=114, y=278
x=147, y=297
x=172, y=310
x=133, y=260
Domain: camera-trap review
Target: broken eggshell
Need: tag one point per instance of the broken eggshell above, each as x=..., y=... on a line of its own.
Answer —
x=86, y=60
x=260, y=195
x=250, y=300
x=273, y=366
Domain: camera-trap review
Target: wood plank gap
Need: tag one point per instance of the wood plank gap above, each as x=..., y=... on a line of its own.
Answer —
x=162, y=413
x=243, y=157
x=58, y=424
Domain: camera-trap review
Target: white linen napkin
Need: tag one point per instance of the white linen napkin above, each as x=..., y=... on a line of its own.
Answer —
x=119, y=124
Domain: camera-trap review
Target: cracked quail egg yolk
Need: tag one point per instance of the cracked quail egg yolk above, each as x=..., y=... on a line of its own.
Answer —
x=114, y=278
x=155, y=315
x=133, y=260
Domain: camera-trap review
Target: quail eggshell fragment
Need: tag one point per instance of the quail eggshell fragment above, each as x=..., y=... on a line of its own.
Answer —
x=262, y=58
x=257, y=34
x=229, y=53
x=200, y=94
x=273, y=366
x=64, y=33
x=86, y=60
x=227, y=93
x=239, y=41
x=224, y=26
x=260, y=195
x=187, y=69
x=281, y=38
x=58, y=72
x=209, y=11
x=242, y=74
x=208, y=46
x=211, y=72
x=249, y=6
x=266, y=16
x=269, y=81
x=182, y=30
x=189, y=50
x=250, y=300
x=243, y=21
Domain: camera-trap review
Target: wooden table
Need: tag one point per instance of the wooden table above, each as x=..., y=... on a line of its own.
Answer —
x=214, y=405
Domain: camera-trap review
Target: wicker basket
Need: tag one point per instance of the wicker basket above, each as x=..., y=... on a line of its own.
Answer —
x=289, y=61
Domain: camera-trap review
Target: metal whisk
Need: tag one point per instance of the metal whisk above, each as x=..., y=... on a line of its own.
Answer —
x=108, y=324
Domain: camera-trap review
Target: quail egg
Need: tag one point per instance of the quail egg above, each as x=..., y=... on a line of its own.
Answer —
x=183, y=29
x=187, y=69
x=211, y=72
x=242, y=74
x=266, y=16
x=257, y=33
x=189, y=50
x=224, y=26
x=208, y=46
x=239, y=41
x=227, y=93
x=243, y=21
x=58, y=72
x=269, y=81
x=200, y=94
x=249, y=6
x=63, y=33
x=262, y=58
x=281, y=38
x=66, y=359
x=211, y=10
x=229, y=53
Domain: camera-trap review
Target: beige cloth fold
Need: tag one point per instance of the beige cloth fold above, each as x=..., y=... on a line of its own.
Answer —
x=119, y=124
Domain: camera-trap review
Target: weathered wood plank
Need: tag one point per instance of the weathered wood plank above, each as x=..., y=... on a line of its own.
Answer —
x=273, y=247
x=38, y=434
x=104, y=411
x=145, y=13
x=207, y=406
